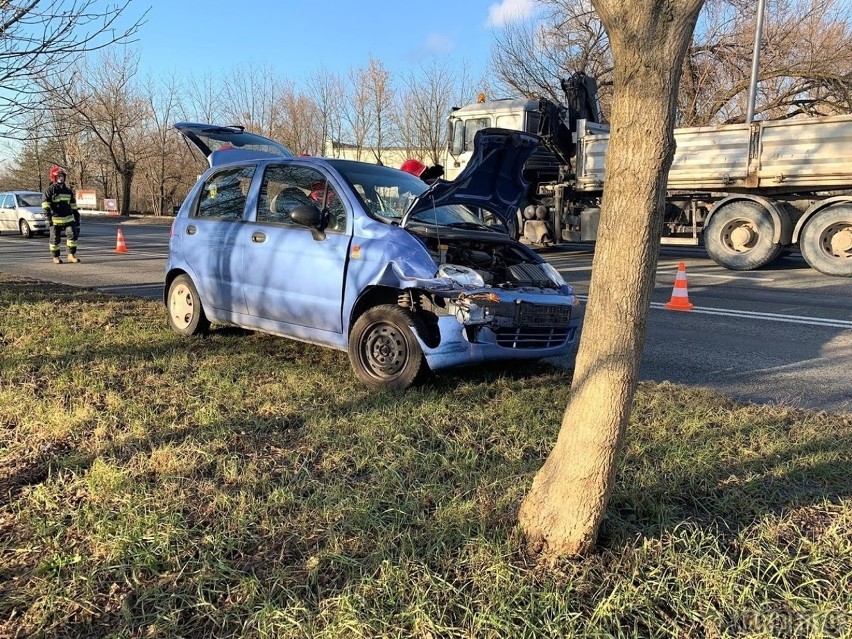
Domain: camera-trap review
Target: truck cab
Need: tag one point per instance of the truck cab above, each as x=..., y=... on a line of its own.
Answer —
x=515, y=114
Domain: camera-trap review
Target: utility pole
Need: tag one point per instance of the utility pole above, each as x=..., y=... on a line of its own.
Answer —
x=755, y=61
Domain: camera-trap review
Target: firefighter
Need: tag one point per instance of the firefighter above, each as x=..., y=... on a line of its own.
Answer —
x=60, y=206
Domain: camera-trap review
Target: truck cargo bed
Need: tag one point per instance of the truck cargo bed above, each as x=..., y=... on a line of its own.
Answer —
x=777, y=155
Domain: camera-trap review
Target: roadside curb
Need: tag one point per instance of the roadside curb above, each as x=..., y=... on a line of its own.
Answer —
x=161, y=220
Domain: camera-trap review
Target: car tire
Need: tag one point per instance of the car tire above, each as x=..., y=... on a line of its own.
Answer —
x=383, y=349
x=184, y=309
x=824, y=242
x=739, y=236
x=26, y=231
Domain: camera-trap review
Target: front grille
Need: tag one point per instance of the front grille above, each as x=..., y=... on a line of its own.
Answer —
x=532, y=337
x=543, y=315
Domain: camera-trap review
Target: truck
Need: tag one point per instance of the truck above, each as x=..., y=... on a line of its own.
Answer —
x=746, y=192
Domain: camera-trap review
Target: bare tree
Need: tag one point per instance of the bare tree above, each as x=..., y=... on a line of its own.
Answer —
x=531, y=57
x=805, y=61
x=301, y=123
x=359, y=114
x=251, y=98
x=205, y=101
x=39, y=149
x=805, y=65
x=327, y=92
x=103, y=101
x=381, y=97
x=424, y=103
x=167, y=167
x=44, y=38
x=563, y=511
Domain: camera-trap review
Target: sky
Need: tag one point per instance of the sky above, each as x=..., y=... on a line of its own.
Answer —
x=298, y=37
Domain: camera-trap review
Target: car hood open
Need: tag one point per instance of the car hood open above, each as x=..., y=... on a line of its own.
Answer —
x=224, y=144
x=492, y=180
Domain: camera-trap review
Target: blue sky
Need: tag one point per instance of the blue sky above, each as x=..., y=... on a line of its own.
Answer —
x=298, y=37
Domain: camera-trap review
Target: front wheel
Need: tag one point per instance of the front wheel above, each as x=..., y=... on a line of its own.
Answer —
x=826, y=241
x=383, y=349
x=26, y=231
x=739, y=236
x=185, y=312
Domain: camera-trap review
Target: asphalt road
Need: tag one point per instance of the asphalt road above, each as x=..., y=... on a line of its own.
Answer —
x=782, y=335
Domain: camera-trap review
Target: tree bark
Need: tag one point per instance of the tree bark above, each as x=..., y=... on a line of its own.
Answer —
x=126, y=184
x=563, y=511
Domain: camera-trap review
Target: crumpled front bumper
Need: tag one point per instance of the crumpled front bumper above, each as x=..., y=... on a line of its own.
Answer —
x=519, y=326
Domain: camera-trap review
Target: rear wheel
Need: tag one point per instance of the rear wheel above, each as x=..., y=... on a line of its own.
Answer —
x=739, y=236
x=826, y=241
x=185, y=313
x=383, y=349
x=26, y=231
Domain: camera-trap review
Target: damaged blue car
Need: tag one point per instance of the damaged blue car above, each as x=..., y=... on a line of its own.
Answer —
x=404, y=276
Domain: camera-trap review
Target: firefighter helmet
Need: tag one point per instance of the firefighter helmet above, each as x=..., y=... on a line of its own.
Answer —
x=55, y=172
x=415, y=167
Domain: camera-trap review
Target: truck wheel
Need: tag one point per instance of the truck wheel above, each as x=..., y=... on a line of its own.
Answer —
x=826, y=241
x=383, y=350
x=26, y=231
x=185, y=312
x=739, y=236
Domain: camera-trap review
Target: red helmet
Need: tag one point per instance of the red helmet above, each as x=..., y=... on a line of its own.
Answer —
x=55, y=171
x=415, y=167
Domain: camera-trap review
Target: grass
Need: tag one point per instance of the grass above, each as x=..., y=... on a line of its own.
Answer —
x=246, y=486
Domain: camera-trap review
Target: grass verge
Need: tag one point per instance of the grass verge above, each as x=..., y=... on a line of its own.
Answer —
x=246, y=486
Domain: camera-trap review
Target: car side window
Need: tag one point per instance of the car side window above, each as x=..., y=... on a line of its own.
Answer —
x=286, y=187
x=4, y=201
x=223, y=195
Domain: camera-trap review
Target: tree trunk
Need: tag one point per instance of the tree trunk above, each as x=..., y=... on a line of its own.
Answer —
x=563, y=511
x=126, y=183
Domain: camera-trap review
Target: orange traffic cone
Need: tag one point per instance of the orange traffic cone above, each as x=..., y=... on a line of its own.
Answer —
x=680, y=296
x=120, y=246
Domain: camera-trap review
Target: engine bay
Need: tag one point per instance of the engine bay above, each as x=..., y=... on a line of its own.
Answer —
x=501, y=264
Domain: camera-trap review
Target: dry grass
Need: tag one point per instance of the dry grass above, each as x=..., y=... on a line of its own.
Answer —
x=246, y=486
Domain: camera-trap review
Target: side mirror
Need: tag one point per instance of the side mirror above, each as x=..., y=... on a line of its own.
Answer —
x=307, y=215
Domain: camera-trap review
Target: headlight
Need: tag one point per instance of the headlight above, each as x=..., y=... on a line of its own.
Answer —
x=553, y=274
x=461, y=275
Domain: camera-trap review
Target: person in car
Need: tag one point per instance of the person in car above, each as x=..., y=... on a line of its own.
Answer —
x=328, y=202
x=60, y=207
x=426, y=173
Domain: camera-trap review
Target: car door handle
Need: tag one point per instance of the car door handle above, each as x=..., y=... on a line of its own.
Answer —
x=258, y=237
x=190, y=230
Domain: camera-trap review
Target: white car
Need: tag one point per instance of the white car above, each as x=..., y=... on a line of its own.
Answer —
x=21, y=211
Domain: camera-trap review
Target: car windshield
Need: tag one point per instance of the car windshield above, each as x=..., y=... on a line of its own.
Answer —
x=387, y=194
x=29, y=199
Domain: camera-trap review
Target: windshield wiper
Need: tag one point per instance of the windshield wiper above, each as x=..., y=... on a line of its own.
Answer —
x=471, y=225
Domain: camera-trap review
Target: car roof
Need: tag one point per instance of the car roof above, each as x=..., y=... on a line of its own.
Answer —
x=308, y=159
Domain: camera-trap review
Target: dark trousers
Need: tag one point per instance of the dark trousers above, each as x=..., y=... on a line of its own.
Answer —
x=72, y=232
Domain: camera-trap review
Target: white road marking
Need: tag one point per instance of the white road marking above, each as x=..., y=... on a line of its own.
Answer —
x=732, y=276
x=769, y=317
x=130, y=253
x=669, y=268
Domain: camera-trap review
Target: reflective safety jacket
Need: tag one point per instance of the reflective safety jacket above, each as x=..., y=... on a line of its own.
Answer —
x=59, y=205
